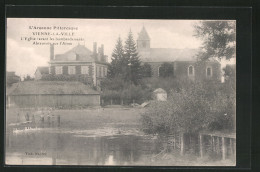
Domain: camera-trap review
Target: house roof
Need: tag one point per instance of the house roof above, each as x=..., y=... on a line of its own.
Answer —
x=143, y=35
x=79, y=53
x=170, y=54
x=50, y=87
x=43, y=70
x=159, y=90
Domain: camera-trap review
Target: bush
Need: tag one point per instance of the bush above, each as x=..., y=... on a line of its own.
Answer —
x=199, y=107
x=120, y=91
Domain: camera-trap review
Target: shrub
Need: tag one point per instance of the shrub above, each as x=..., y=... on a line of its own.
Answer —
x=198, y=107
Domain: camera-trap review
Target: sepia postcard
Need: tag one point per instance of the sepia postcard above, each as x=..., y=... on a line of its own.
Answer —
x=120, y=92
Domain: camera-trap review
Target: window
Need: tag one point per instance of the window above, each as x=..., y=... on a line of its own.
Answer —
x=97, y=72
x=58, y=70
x=190, y=70
x=105, y=71
x=85, y=70
x=209, y=72
x=100, y=71
x=71, y=70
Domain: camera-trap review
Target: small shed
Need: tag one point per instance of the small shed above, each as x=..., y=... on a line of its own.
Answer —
x=160, y=94
x=51, y=94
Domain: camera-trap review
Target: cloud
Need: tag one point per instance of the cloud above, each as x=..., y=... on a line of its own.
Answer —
x=22, y=60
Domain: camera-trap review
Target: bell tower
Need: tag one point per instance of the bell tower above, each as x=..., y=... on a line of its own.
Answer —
x=143, y=41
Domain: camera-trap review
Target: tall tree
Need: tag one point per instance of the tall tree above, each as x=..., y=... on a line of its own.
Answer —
x=146, y=70
x=132, y=57
x=115, y=68
x=219, y=39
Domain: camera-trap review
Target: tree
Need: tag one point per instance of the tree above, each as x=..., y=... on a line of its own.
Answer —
x=131, y=55
x=11, y=78
x=146, y=70
x=166, y=70
x=219, y=39
x=28, y=78
x=115, y=68
x=195, y=108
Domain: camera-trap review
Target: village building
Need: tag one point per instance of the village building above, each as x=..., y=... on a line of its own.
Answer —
x=184, y=61
x=34, y=94
x=160, y=94
x=77, y=61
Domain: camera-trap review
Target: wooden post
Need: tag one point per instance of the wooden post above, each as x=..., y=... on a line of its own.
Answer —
x=201, y=145
x=213, y=144
x=235, y=148
x=174, y=145
x=223, y=149
x=182, y=143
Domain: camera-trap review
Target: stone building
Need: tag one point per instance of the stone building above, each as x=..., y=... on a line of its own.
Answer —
x=160, y=94
x=183, y=60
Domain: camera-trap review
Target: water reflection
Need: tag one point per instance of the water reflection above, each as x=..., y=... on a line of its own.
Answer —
x=61, y=148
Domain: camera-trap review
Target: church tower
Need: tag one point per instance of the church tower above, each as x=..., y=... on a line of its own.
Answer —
x=143, y=41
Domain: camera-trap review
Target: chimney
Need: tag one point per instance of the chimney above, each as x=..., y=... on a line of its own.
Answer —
x=94, y=48
x=102, y=49
x=51, y=52
x=99, y=54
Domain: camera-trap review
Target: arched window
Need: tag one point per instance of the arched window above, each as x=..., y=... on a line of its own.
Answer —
x=159, y=70
x=209, y=71
x=144, y=44
x=190, y=70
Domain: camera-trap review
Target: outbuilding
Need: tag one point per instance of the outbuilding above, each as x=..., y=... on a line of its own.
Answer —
x=51, y=94
x=160, y=94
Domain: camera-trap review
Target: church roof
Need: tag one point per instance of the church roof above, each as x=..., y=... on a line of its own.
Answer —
x=170, y=54
x=143, y=35
x=79, y=53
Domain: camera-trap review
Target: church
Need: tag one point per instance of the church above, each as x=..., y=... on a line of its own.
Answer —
x=183, y=60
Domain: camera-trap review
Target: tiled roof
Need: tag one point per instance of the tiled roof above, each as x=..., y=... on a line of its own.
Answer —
x=170, y=54
x=143, y=35
x=80, y=51
x=50, y=87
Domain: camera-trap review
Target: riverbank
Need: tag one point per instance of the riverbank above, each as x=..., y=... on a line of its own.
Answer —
x=84, y=118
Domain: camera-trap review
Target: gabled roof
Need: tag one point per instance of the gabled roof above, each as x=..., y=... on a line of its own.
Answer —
x=43, y=70
x=79, y=53
x=143, y=35
x=159, y=90
x=170, y=55
x=50, y=87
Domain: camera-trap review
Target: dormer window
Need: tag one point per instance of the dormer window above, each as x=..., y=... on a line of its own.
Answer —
x=190, y=70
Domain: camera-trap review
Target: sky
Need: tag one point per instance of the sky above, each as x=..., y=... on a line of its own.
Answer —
x=23, y=57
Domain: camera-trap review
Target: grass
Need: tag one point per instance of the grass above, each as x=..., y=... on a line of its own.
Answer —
x=85, y=118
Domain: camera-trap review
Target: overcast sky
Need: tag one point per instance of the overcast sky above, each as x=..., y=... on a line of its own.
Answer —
x=23, y=57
